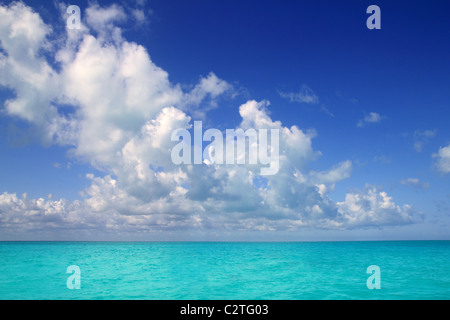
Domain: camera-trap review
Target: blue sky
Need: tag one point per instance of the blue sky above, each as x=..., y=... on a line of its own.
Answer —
x=86, y=114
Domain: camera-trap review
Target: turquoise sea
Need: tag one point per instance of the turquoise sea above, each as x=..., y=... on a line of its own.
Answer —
x=225, y=270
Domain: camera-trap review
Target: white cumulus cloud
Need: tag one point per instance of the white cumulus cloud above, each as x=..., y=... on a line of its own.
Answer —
x=373, y=207
x=372, y=117
x=443, y=159
x=123, y=110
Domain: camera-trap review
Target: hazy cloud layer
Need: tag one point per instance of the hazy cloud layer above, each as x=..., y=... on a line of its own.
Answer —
x=305, y=95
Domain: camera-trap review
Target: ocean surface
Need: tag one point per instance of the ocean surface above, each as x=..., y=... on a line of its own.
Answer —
x=225, y=270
